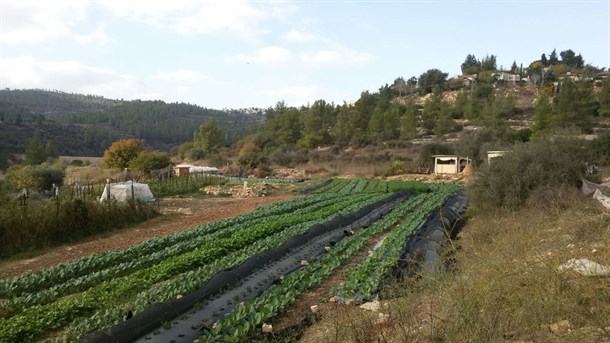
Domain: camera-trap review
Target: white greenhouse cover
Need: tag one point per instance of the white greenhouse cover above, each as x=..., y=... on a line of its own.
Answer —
x=198, y=169
x=122, y=192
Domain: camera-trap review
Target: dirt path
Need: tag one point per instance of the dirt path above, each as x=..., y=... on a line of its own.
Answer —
x=182, y=214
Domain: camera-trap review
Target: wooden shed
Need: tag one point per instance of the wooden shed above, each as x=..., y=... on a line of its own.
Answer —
x=182, y=171
x=449, y=164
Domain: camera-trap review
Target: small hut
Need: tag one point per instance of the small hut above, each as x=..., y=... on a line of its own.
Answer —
x=182, y=171
x=495, y=153
x=449, y=164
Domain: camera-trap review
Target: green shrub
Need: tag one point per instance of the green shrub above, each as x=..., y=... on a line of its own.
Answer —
x=150, y=160
x=288, y=156
x=511, y=179
x=475, y=144
x=196, y=154
x=600, y=148
x=395, y=168
x=35, y=177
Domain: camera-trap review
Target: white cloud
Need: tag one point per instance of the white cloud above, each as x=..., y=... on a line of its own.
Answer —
x=297, y=36
x=269, y=54
x=149, y=11
x=240, y=17
x=71, y=76
x=336, y=56
x=179, y=75
x=30, y=21
x=97, y=37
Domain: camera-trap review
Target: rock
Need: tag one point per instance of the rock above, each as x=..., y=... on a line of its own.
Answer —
x=560, y=326
x=327, y=248
x=334, y=299
x=371, y=306
x=267, y=328
x=350, y=302
x=178, y=296
x=382, y=318
x=186, y=211
x=304, y=263
x=314, y=309
x=585, y=267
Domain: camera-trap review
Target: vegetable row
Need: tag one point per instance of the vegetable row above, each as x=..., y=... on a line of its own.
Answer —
x=97, y=263
x=246, y=318
x=35, y=320
x=363, y=280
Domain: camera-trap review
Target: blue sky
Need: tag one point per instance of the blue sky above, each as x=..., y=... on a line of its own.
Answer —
x=235, y=54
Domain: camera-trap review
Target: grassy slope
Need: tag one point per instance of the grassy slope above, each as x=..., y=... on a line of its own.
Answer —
x=506, y=286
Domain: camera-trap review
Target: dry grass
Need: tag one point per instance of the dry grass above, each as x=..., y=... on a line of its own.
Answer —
x=506, y=285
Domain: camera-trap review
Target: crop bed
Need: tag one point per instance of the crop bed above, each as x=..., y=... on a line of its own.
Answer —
x=68, y=301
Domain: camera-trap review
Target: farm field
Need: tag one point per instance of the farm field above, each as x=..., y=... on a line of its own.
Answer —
x=225, y=279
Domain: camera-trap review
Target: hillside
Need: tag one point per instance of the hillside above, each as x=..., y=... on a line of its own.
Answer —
x=85, y=125
x=54, y=103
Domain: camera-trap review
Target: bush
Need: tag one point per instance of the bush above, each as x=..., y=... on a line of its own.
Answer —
x=396, y=167
x=600, y=148
x=475, y=144
x=37, y=177
x=196, y=154
x=48, y=176
x=288, y=156
x=511, y=179
x=121, y=152
x=150, y=160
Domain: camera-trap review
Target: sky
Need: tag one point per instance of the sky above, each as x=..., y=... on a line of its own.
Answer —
x=240, y=54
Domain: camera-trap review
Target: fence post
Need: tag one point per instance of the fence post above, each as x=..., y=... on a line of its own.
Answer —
x=24, y=215
x=133, y=198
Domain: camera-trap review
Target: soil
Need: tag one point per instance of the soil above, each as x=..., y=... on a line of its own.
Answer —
x=179, y=214
x=296, y=312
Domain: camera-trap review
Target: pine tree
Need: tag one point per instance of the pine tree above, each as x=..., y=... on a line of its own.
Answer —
x=543, y=116
x=209, y=137
x=408, y=122
x=575, y=105
x=391, y=123
x=49, y=149
x=432, y=107
x=604, y=98
x=35, y=152
x=444, y=122
x=553, y=59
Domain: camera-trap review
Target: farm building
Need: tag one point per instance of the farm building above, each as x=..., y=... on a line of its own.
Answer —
x=495, y=153
x=449, y=164
x=187, y=169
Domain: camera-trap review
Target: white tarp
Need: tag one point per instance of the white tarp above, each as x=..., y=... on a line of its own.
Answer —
x=589, y=187
x=122, y=192
x=604, y=200
x=198, y=169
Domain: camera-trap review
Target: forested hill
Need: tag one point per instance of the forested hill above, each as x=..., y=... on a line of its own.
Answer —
x=86, y=125
x=166, y=124
x=53, y=103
